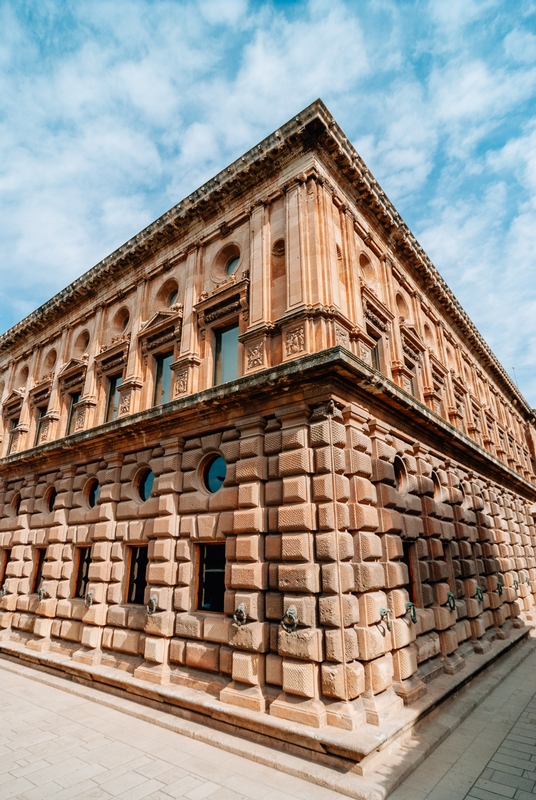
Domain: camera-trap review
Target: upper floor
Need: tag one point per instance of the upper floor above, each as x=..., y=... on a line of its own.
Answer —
x=292, y=249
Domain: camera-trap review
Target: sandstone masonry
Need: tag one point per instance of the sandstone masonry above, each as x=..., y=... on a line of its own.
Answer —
x=259, y=464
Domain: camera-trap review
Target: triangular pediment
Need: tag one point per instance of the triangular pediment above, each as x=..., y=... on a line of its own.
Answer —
x=15, y=396
x=161, y=318
x=72, y=365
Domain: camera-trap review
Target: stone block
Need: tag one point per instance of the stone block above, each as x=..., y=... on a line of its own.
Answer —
x=448, y=641
x=248, y=668
x=250, y=520
x=299, y=678
x=403, y=632
x=296, y=547
x=299, y=577
x=373, y=641
x=126, y=641
x=369, y=546
x=248, y=547
x=254, y=636
x=217, y=629
x=369, y=607
x=396, y=574
x=249, y=576
x=363, y=517
x=299, y=517
x=295, y=462
x=303, y=643
x=189, y=626
x=368, y=577
x=155, y=650
x=203, y=655
x=334, y=644
x=177, y=651
x=405, y=663
x=444, y=617
x=379, y=674
x=274, y=669
x=337, y=577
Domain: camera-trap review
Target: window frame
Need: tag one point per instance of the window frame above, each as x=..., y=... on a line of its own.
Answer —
x=218, y=360
x=37, y=572
x=159, y=371
x=79, y=578
x=129, y=573
x=41, y=413
x=71, y=419
x=113, y=396
x=5, y=558
x=200, y=556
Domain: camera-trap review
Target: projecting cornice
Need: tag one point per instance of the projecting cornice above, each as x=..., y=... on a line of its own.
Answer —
x=312, y=128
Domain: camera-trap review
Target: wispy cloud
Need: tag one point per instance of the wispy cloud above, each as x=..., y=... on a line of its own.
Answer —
x=110, y=112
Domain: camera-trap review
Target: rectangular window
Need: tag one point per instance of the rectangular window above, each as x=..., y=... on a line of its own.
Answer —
x=411, y=561
x=37, y=577
x=226, y=355
x=137, y=574
x=162, y=384
x=12, y=425
x=40, y=414
x=74, y=399
x=112, y=402
x=5, y=556
x=211, y=577
x=82, y=573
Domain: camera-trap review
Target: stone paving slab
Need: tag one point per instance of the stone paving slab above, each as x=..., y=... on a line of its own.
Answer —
x=491, y=755
x=63, y=739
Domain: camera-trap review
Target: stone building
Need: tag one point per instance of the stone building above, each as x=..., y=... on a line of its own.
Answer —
x=260, y=464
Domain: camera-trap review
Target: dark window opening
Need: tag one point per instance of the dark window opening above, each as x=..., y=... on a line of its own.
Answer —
x=211, y=586
x=17, y=500
x=51, y=499
x=162, y=386
x=40, y=415
x=4, y=561
x=75, y=398
x=112, y=403
x=411, y=560
x=226, y=355
x=137, y=575
x=82, y=573
x=38, y=569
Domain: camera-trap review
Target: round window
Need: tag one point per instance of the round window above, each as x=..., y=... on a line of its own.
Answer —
x=214, y=473
x=51, y=499
x=232, y=265
x=145, y=484
x=173, y=297
x=93, y=493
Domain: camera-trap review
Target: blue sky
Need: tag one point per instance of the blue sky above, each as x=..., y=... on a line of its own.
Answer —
x=111, y=111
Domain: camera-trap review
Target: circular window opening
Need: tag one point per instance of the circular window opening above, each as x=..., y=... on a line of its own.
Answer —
x=214, y=473
x=145, y=484
x=93, y=493
x=400, y=475
x=15, y=504
x=232, y=265
x=172, y=299
x=51, y=499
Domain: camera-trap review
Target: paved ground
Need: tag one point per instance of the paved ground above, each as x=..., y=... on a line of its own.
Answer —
x=56, y=745
x=62, y=745
x=491, y=755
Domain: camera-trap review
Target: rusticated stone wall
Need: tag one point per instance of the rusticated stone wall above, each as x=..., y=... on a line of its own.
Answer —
x=393, y=563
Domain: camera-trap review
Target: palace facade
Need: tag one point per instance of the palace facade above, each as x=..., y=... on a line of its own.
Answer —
x=259, y=464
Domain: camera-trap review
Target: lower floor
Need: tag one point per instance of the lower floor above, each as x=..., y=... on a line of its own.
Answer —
x=60, y=739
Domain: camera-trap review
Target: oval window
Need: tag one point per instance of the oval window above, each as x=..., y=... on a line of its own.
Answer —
x=173, y=297
x=214, y=473
x=15, y=503
x=93, y=493
x=145, y=484
x=232, y=265
x=51, y=499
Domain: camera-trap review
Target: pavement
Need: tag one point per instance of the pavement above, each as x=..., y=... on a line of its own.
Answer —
x=62, y=740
